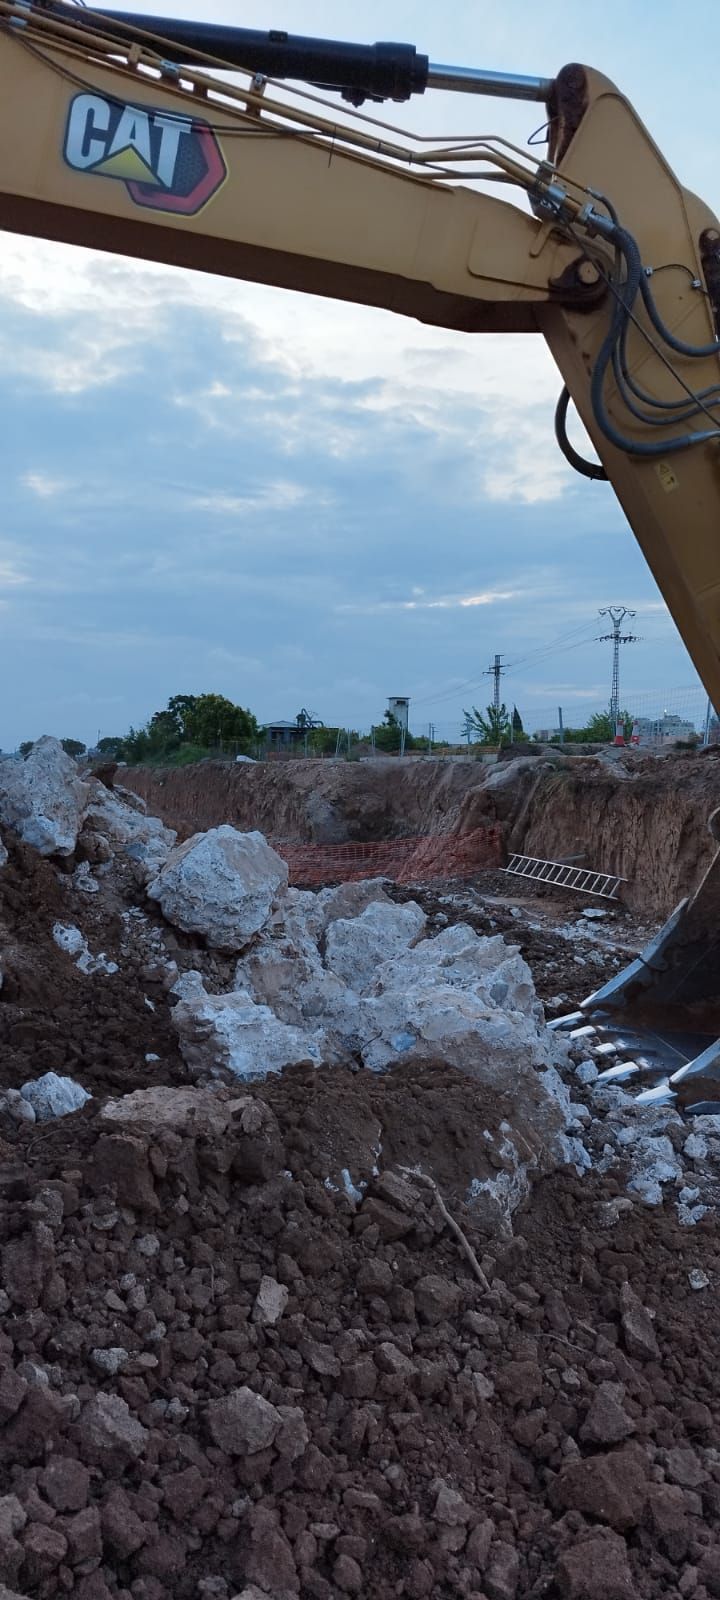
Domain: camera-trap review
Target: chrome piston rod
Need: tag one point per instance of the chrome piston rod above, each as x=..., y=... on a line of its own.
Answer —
x=473, y=80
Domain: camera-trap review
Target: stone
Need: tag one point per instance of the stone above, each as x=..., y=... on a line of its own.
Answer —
x=356, y=947
x=347, y=1574
x=222, y=884
x=109, y=1435
x=54, y=1096
x=84, y=1537
x=230, y=1031
x=520, y=1382
x=272, y=1298
x=500, y=1580
x=65, y=1482
x=607, y=1422
x=70, y=939
x=13, y=1518
x=242, y=1422
x=13, y=1389
x=110, y=1361
x=292, y=1438
x=123, y=1530
x=110, y=817
x=637, y=1326
x=271, y=1563
x=45, y=1549
x=174, y=1110
x=450, y=1508
x=667, y=1516
x=42, y=799
x=596, y=1569
x=436, y=1298
x=611, y=1487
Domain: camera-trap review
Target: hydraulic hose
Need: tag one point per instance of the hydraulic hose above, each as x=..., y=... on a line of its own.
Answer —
x=587, y=469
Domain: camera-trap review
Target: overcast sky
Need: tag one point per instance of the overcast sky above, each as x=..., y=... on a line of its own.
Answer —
x=211, y=485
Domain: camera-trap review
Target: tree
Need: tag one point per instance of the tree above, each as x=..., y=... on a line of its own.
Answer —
x=388, y=735
x=492, y=728
x=189, y=723
x=26, y=747
x=517, y=727
x=110, y=745
x=73, y=747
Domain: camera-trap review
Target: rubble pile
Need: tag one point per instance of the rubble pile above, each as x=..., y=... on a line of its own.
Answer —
x=277, y=1320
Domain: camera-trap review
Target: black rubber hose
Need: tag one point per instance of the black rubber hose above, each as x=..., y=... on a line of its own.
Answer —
x=659, y=326
x=587, y=469
x=623, y=305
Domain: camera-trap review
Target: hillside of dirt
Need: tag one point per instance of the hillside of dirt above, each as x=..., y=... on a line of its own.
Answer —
x=640, y=817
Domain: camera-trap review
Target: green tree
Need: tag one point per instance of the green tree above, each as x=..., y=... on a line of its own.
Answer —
x=517, y=727
x=73, y=747
x=492, y=728
x=26, y=747
x=110, y=745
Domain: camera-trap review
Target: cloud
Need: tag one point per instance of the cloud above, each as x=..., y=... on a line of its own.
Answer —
x=43, y=485
x=442, y=603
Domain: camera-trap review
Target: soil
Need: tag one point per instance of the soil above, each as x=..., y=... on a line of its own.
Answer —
x=223, y=1372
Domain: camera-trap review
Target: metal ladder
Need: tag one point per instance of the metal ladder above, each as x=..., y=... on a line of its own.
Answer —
x=583, y=879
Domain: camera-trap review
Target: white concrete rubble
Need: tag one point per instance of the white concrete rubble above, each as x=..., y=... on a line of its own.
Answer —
x=53, y=1096
x=42, y=799
x=356, y=946
x=221, y=884
x=118, y=817
x=70, y=939
x=232, y=1032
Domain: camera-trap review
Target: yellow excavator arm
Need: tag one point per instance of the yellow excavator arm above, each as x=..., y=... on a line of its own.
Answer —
x=126, y=134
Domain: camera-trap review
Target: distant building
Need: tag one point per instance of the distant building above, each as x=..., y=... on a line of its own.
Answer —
x=399, y=707
x=279, y=735
x=664, y=730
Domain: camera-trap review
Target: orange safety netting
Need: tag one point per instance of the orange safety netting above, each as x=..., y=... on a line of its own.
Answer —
x=403, y=860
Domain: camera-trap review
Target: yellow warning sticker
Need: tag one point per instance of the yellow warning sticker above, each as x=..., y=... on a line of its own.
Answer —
x=667, y=477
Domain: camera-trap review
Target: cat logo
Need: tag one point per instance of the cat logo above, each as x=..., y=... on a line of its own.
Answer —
x=166, y=161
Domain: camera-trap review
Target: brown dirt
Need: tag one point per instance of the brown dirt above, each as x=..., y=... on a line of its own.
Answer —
x=545, y=1440
x=641, y=817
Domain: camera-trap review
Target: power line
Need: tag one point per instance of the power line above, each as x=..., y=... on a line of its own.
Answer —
x=617, y=615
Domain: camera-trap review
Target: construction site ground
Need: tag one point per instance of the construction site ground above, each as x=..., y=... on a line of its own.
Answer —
x=225, y=1371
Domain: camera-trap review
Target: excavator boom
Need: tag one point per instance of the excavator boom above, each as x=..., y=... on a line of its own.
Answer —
x=172, y=141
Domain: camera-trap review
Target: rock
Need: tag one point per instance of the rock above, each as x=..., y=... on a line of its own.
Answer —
x=123, y=1530
x=500, y=1580
x=53, y=1096
x=356, y=947
x=450, y=1508
x=272, y=1298
x=65, y=1482
x=45, y=1549
x=175, y=1110
x=110, y=1361
x=347, y=1574
x=638, y=1331
x=612, y=1487
x=436, y=1298
x=42, y=798
x=112, y=816
x=596, y=1568
x=520, y=1382
x=271, y=1563
x=606, y=1421
x=13, y=1518
x=242, y=1422
x=13, y=1389
x=84, y=1537
x=109, y=1435
x=221, y=884
x=292, y=1438
x=667, y=1517
x=230, y=1031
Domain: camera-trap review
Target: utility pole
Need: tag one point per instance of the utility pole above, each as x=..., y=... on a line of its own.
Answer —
x=495, y=671
x=617, y=615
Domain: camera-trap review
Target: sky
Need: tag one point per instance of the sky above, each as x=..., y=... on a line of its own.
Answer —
x=216, y=486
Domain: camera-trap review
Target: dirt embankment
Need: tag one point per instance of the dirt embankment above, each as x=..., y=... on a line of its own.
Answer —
x=642, y=818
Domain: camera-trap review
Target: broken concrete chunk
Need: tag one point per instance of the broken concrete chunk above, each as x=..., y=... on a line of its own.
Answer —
x=355, y=947
x=53, y=1096
x=221, y=884
x=42, y=798
x=230, y=1031
x=109, y=1435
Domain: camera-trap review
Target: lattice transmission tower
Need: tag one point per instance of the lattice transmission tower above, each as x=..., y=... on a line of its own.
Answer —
x=617, y=615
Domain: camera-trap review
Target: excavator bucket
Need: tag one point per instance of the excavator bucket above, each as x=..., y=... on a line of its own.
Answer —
x=659, y=1019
